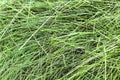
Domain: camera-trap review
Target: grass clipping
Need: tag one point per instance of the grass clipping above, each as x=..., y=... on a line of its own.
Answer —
x=59, y=40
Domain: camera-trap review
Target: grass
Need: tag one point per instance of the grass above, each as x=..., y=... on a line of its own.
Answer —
x=59, y=40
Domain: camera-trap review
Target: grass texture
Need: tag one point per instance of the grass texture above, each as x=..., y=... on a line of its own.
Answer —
x=59, y=40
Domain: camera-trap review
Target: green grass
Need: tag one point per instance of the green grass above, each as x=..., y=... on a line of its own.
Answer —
x=59, y=40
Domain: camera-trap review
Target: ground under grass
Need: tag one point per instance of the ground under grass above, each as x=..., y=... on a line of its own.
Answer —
x=59, y=40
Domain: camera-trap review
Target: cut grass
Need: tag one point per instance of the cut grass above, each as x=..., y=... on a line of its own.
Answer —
x=59, y=40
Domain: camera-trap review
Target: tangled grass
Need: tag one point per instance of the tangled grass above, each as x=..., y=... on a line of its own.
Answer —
x=59, y=40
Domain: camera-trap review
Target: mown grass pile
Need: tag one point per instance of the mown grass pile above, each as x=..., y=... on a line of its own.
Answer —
x=59, y=40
